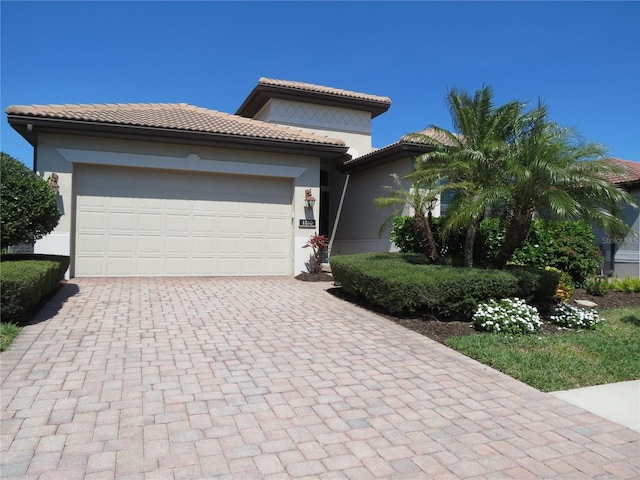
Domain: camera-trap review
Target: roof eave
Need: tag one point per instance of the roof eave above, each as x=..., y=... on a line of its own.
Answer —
x=262, y=93
x=28, y=126
x=387, y=154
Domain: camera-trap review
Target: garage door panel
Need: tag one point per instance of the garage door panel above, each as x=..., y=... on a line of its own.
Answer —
x=119, y=221
x=203, y=224
x=177, y=223
x=132, y=222
x=92, y=220
x=229, y=225
x=120, y=244
x=91, y=243
x=201, y=245
x=150, y=205
x=123, y=203
x=148, y=267
x=149, y=222
x=229, y=246
x=149, y=245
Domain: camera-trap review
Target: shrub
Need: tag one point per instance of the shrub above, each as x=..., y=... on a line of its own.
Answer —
x=318, y=244
x=597, y=287
x=565, y=288
x=25, y=280
x=536, y=286
x=629, y=285
x=402, y=283
x=512, y=316
x=28, y=209
x=567, y=246
x=403, y=234
x=573, y=317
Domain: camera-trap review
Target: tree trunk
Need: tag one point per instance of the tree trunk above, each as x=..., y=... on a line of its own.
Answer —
x=515, y=236
x=469, y=240
x=425, y=237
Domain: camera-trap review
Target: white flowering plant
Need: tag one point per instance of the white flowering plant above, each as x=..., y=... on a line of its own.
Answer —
x=509, y=315
x=574, y=317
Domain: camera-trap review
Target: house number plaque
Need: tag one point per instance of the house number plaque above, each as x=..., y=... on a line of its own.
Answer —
x=307, y=224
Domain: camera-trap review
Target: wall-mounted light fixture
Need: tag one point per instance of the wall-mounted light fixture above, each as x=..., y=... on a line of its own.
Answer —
x=309, y=200
x=53, y=182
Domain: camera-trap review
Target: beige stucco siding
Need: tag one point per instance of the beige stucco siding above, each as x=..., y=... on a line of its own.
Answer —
x=360, y=220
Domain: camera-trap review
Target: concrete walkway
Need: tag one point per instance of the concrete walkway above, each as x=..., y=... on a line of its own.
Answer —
x=270, y=379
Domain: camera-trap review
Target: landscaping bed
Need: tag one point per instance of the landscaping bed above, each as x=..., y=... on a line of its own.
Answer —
x=440, y=331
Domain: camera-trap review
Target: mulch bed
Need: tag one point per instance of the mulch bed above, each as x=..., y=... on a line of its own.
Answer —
x=439, y=330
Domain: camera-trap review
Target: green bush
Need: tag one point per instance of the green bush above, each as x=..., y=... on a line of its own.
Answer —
x=25, y=280
x=568, y=246
x=403, y=234
x=597, y=287
x=628, y=284
x=28, y=209
x=402, y=283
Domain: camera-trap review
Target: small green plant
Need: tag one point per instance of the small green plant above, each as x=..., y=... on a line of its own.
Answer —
x=318, y=244
x=597, y=287
x=565, y=285
x=8, y=331
x=628, y=284
x=509, y=315
x=574, y=317
x=403, y=234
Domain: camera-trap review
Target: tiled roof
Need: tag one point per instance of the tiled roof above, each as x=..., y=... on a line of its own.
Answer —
x=268, y=88
x=437, y=135
x=415, y=144
x=632, y=171
x=309, y=87
x=173, y=116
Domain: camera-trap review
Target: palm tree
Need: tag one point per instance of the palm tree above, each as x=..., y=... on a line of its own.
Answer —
x=468, y=160
x=550, y=171
x=421, y=199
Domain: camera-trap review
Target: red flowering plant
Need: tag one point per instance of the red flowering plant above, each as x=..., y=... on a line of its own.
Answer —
x=319, y=244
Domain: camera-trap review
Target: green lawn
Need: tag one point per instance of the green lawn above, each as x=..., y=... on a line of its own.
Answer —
x=8, y=331
x=573, y=359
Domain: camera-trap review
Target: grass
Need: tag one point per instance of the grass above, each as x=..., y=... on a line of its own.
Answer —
x=608, y=354
x=8, y=331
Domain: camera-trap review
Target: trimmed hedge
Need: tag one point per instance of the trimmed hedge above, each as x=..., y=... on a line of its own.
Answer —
x=25, y=280
x=402, y=283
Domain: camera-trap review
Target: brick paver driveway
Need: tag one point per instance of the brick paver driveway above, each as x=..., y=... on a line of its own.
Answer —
x=271, y=379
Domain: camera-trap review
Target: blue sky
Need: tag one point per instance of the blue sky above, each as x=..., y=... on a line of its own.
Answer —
x=581, y=58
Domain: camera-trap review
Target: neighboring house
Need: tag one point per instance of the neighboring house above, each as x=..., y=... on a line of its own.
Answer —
x=622, y=255
x=175, y=189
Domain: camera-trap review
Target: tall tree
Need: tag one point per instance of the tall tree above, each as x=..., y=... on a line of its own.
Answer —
x=421, y=199
x=468, y=160
x=550, y=171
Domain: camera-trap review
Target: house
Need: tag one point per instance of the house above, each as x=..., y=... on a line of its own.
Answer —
x=622, y=255
x=176, y=189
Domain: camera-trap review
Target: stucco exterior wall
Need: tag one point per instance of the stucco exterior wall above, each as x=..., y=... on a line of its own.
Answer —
x=352, y=126
x=627, y=255
x=58, y=153
x=360, y=220
x=626, y=252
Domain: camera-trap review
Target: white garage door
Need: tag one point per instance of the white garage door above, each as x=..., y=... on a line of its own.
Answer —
x=132, y=222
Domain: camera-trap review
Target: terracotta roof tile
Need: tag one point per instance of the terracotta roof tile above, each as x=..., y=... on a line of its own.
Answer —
x=309, y=87
x=437, y=135
x=632, y=171
x=174, y=116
